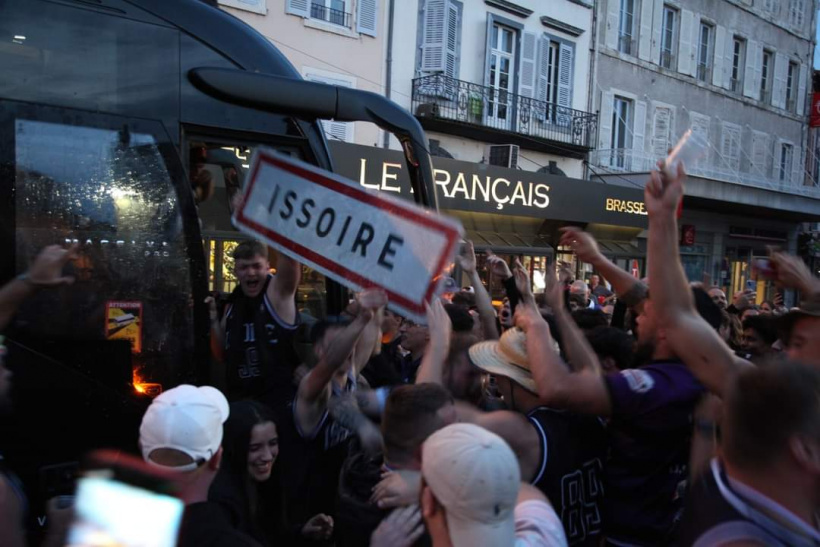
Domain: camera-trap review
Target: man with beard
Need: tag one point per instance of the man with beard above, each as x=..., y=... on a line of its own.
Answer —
x=258, y=329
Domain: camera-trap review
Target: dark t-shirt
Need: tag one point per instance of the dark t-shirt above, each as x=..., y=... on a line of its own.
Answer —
x=570, y=474
x=650, y=434
x=259, y=351
x=206, y=524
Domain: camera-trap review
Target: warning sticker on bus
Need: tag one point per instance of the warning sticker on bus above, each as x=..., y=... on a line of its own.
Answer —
x=360, y=239
x=123, y=321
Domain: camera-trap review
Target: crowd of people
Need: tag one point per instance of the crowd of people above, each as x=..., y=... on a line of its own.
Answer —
x=582, y=416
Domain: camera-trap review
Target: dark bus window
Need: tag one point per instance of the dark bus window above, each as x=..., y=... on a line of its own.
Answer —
x=108, y=187
x=86, y=59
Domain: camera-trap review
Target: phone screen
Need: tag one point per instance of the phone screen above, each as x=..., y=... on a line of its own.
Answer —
x=114, y=514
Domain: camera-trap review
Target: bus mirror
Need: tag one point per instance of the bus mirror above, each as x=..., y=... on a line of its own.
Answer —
x=313, y=101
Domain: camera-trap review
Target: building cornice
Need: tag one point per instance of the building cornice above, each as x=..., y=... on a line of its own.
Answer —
x=555, y=24
x=509, y=7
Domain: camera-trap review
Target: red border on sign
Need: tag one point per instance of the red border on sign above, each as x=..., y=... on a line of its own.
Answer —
x=429, y=221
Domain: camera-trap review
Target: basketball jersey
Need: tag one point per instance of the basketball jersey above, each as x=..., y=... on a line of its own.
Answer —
x=259, y=350
x=570, y=473
x=720, y=510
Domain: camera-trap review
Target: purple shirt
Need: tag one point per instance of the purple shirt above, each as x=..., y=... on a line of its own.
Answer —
x=649, y=434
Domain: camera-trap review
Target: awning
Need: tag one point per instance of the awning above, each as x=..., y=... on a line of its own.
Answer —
x=510, y=243
x=620, y=248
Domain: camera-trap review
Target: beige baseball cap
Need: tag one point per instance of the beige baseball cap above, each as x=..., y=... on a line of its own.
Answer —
x=186, y=418
x=475, y=475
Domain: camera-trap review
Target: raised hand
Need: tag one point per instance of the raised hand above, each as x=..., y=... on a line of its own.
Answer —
x=372, y=299
x=522, y=283
x=664, y=190
x=467, y=259
x=439, y=325
x=47, y=270
x=583, y=244
x=498, y=267
x=791, y=272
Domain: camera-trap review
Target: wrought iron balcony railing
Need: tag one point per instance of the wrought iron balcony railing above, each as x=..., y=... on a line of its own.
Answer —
x=446, y=99
x=324, y=13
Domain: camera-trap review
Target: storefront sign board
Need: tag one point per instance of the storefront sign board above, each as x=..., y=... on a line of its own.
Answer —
x=360, y=238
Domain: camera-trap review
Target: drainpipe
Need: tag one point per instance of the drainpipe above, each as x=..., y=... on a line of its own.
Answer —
x=389, y=63
x=593, y=78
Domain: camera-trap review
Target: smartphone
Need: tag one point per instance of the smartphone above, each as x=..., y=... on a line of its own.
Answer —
x=123, y=502
x=751, y=285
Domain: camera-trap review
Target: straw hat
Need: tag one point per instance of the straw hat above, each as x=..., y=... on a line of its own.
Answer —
x=506, y=357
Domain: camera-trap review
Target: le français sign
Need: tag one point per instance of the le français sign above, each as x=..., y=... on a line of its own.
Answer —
x=489, y=189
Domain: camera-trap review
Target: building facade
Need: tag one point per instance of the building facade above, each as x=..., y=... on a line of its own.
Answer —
x=736, y=72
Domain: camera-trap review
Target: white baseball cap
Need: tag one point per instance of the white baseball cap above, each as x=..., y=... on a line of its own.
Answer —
x=475, y=475
x=188, y=419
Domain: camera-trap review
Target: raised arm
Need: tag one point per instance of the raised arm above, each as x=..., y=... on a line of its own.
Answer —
x=486, y=313
x=440, y=327
x=582, y=391
x=46, y=271
x=282, y=290
x=629, y=289
x=691, y=338
x=580, y=354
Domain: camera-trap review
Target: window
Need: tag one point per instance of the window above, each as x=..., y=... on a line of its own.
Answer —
x=661, y=131
x=770, y=6
x=738, y=63
x=767, y=65
x=502, y=69
x=626, y=28
x=730, y=147
x=760, y=151
x=331, y=11
x=786, y=154
x=796, y=10
x=705, y=52
x=555, y=79
x=340, y=131
x=791, y=81
x=440, y=39
x=621, y=132
x=669, y=37
x=256, y=6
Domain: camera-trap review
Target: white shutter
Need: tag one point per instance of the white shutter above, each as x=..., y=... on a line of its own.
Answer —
x=529, y=57
x=657, y=29
x=718, y=65
x=749, y=88
x=700, y=125
x=433, y=38
x=366, y=17
x=564, y=84
x=451, y=40
x=687, y=21
x=543, y=67
x=639, y=131
x=758, y=69
x=605, y=120
x=645, y=43
x=661, y=131
x=613, y=18
x=801, y=90
x=760, y=147
x=298, y=7
x=781, y=67
x=728, y=57
x=797, y=168
x=730, y=147
x=487, y=49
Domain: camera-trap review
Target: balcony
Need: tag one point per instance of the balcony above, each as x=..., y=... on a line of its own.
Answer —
x=704, y=73
x=668, y=60
x=627, y=44
x=330, y=15
x=621, y=161
x=486, y=114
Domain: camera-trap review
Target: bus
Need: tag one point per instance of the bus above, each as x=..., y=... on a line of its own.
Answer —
x=126, y=127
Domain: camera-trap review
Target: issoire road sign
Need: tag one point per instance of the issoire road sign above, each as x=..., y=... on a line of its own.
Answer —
x=360, y=239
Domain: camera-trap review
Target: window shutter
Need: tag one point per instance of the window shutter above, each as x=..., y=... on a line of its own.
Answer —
x=565, y=57
x=758, y=74
x=801, y=90
x=781, y=67
x=797, y=170
x=487, y=50
x=529, y=57
x=639, y=131
x=730, y=147
x=605, y=120
x=366, y=17
x=661, y=131
x=543, y=75
x=760, y=146
x=728, y=56
x=645, y=43
x=657, y=28
x=687, y=22
x=613, y=18
x=749, y=88
x=298, y=7
x=432, y=47
x=718, y=66
x=452, y=44
x=700, y=126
